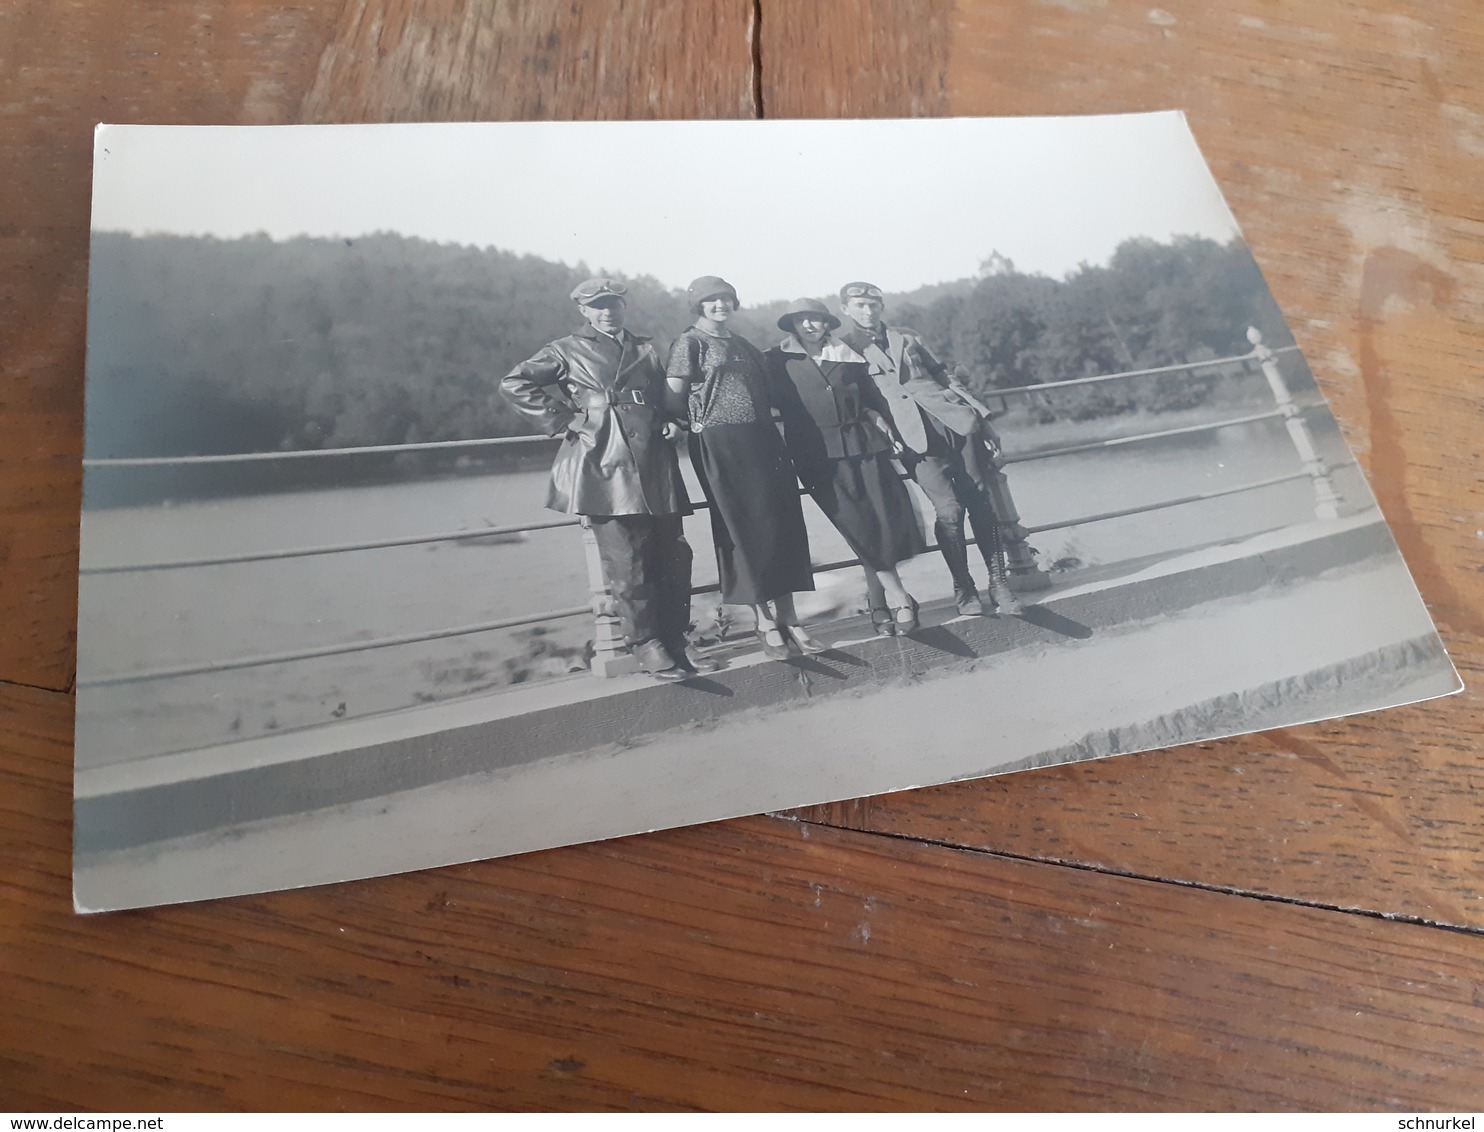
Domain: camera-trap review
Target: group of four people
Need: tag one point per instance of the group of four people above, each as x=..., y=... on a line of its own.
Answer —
x=848, y=401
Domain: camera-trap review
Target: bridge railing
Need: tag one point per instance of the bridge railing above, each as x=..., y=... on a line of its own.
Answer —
x=610, y=655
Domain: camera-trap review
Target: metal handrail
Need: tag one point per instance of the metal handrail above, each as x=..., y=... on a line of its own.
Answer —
x=581, y=610
x=1117, y=441
x=325, y=548
x=1314, y=469
x=700, y=505
x=332, y=650
x=303, y=453
x=430, y=445
x=1069, y=383
x=1166, y=503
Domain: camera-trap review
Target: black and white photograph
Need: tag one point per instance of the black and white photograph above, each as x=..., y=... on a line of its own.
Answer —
x=456, y=491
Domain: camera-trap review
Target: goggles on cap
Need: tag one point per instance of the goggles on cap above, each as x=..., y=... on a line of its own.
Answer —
x=595, y=287
x=861, y=291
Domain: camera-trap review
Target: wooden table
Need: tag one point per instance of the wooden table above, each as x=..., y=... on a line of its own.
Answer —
x=1285, y=920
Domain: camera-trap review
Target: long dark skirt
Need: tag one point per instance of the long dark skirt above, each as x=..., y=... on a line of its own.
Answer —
x=869, y=505
x=762, y=546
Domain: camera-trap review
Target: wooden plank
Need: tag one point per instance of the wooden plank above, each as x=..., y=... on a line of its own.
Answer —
x=856, y=59
x=752, y=964
x=472, y=60
x=1350, y=151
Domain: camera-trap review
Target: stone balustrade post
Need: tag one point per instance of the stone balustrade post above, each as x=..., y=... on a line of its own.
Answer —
x=611, y=656
x=1326, y=498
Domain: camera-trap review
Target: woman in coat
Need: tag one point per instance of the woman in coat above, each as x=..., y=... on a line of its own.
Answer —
x=836, y=426
x=718, y=385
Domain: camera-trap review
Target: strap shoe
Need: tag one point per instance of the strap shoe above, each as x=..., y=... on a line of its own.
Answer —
x=656, y=660
x=693, y=665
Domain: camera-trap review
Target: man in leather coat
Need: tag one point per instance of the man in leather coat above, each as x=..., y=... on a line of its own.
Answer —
x=603, y=390
x=950, y=444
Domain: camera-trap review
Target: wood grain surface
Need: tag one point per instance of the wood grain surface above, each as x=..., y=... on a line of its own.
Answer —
x=1248, y=924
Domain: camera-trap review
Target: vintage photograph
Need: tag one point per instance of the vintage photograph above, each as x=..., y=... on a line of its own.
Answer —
x=453, y=491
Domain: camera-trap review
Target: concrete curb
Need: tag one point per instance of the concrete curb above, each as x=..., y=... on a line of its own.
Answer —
x=210, y=797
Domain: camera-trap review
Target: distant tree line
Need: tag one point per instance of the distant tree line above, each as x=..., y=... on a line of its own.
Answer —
x=1152, y=305
x=200, y=345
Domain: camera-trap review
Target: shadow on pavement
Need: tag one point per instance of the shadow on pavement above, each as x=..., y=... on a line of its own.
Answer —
x=815, y=665
x=1055, y=622
x=936, y=636
x=705, y=684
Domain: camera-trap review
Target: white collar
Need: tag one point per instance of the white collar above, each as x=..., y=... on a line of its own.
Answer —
x=834, y=349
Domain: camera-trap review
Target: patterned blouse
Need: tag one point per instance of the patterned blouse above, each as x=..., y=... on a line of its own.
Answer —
x=727, y=378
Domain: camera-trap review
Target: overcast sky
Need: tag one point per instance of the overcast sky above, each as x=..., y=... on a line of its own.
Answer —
x=780, y=208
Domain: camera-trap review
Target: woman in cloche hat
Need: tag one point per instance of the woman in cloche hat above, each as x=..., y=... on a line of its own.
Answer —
x=718, y=382
x=836, y=425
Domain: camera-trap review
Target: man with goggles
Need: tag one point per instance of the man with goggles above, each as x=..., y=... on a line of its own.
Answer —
x=950, y=446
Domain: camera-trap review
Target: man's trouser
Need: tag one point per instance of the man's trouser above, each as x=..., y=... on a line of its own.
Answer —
x=646, y=563
x=953, y=473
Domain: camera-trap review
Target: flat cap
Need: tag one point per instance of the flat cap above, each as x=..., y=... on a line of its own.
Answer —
x=858, y=289
x=590, y=290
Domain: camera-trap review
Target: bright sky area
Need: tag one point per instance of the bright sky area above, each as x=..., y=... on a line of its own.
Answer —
x=780, y=208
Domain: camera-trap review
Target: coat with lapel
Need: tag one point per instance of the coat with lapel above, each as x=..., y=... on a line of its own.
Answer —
x=910, y=378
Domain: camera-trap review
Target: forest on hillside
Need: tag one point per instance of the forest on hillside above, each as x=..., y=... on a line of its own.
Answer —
x=201, y=345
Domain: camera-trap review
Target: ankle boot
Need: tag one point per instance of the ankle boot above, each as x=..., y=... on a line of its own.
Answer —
x=1005, y=600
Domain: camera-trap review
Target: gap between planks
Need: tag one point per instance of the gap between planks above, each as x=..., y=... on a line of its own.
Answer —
x=1129, y=874
x=755, y=32
x=69, y=689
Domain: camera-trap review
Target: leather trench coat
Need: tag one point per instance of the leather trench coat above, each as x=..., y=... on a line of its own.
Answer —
x=910, y=377
x=607, y=395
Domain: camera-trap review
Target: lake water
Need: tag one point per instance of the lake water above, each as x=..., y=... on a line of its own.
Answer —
x=134, y=622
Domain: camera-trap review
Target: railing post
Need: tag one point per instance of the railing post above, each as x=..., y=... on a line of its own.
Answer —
x=611, y=656
x=1025, y=575
x=1326, y=498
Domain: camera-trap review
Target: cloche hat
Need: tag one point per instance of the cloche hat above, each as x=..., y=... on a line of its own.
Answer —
x=806, y=306
x=708, y=287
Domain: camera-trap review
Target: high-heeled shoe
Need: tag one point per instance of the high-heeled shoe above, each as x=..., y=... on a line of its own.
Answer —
x=699, y=665
x=806, y=643
x=906, y=618
x=883, y=622
x=773, y=651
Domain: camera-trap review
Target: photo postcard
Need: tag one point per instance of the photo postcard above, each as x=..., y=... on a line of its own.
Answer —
x=454, y=491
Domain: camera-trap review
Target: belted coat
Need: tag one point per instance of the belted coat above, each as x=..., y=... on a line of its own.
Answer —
x=909, y=377
x=606, y=393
